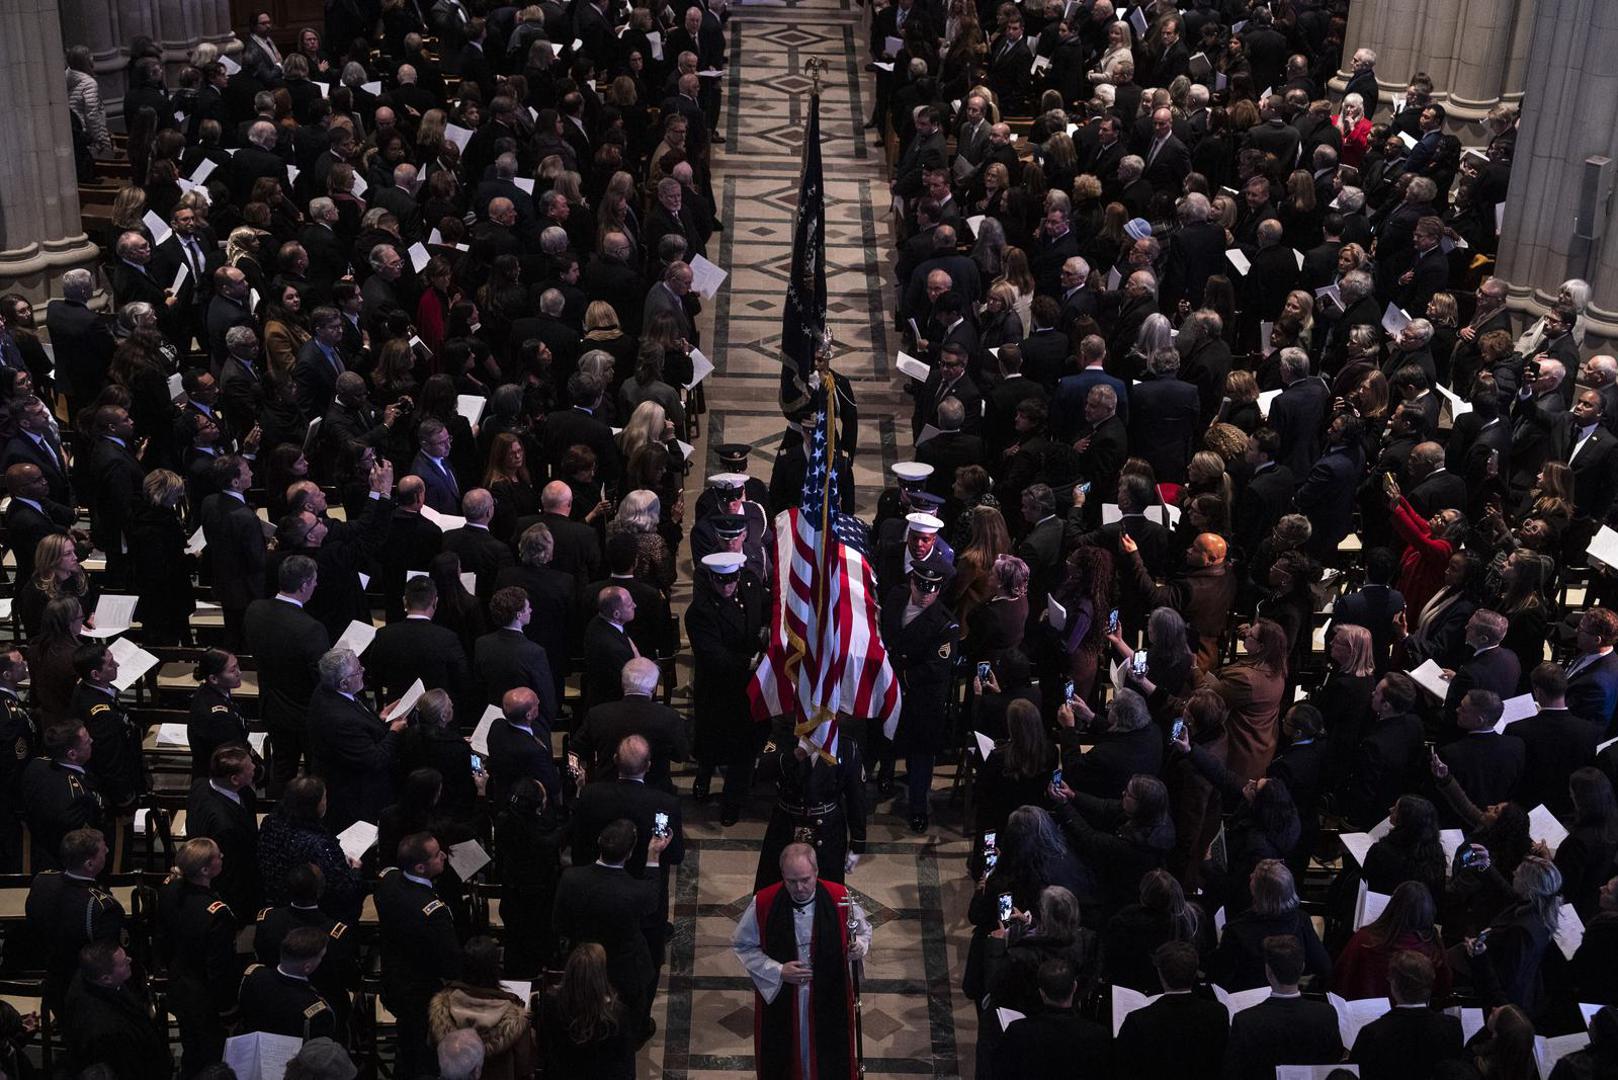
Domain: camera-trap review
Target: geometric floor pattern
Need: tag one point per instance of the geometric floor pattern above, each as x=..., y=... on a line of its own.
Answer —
x=916, y=1021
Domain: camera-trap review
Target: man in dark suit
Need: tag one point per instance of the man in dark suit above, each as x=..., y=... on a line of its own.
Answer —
x=636, y=713
x=1412, y=1038
x=610, y=277
x=481, y=551
x=605, y=904
x=1363, y=81
x=505, y=659
x=1102, y=440
x=1391, y=758
x=1196, y=252
x=351, y=747
x=1298, y=414
x=1040, y=547
x=1283, y=1029
x=1165, y=417
x=82, y=339
x=654, y=813
x=519, y=746
x=236, y=550
x=1180, y=1036
x=475, y=66
x=1432, y=486
x=412, y=542
x=607, y=646
x=575, y=548
x=949, y=449
x=415, y=647
x=287, y=643
x=1326, y=494
x=442, y=489
x=319, y=362
x=1485, y=665
x=115, y=474
x=579, y=426
x=328, y=259
x=1044, y=1044
x=1592, y=676
x=924, y=151
x=553, y=595
x=1487, y=765
x=32, y=515
x=1167, y=160
x=133, y=279
x=1266, y=495
x=1010, y=59
x=255, y=160
x=948, y=379
x=1558, y=741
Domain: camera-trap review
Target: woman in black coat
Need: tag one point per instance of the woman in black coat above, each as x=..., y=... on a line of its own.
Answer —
x=1017, y=771
x=1410, y=852
x=1238, y=962
x=1122, y=840
x=1507, y=959
x=1344, y=699
x=529, y=835
x=1585, y=857
x=157, y=539
x=1161, y=915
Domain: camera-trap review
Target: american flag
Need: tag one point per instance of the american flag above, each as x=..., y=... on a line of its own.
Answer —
x=825, y=655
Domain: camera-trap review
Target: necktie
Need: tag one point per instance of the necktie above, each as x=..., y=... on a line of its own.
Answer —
x=194, y=256
x=450, y=477
x=632, y=647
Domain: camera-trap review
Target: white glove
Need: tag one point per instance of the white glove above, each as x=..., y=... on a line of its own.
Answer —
x=850, y=861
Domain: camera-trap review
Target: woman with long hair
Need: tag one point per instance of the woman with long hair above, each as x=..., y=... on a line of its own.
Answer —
x=1585, y=857
x=432, y=311
x=996, y=626
x=294, y=835
x=602, y=330
x=51, y=677
x=509, y=481
x=1021, y=279
x=1253, y=688
x=1290, y=602
x=1170, y=672
x=1016, y=772
x=1524, y=582
x=974, y=581
x=286, y=330
x=1504, y=1050
x=999, y=322
x=585, y=1031
x=1160, y=914
x=1505, y=962
x=1053, y=930
x=1088, y=592
x=1407, y=924
x=457, y=609
x=1196, y=801
x=1410, y=851
x=57, y=573
x=1550, y=498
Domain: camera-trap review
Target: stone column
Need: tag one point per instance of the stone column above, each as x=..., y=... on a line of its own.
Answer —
x=1474, y=50
x=1570, y=113
x=40, y=232
x=108, y=26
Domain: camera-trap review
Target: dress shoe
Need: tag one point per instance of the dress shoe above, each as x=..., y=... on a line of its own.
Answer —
x=884, y=788
x=918, y=824
x=730, y=817
x=699, y=789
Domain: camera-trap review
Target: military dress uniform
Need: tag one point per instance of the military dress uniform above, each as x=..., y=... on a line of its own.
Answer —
x=197, y=941
x=336, y=973
x=280, y=1004
x=719, y=532
x=924, y=648
x=726, y=634
x=19, y=744
x=119, y=769
x=57, y=798
x=65, y=913
x=733, y=459
x=819, y=803
x=420, y=952
x=214, y=722
x=895, y=502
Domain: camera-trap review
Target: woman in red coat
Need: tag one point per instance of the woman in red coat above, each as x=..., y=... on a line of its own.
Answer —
x=1429, y=543
x=1406, y=924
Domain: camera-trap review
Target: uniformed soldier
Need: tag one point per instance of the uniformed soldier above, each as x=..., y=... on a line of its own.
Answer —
x=19, y=743
x=119, y=767
x=923, y=641
x=66, y=910
x=792, y=464
x=726, y=621
x=420, y=951
x=57, y=795
x=898, y=554
x=338, y=971
x=818, y=802
x=895, y=502
x=108, y=1019
x=197, y=941
x=729, y=491
x=215, y=720
x=733, y=532
x=282, y=1000
x=733, y=459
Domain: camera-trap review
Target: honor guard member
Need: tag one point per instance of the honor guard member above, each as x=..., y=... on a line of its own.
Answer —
x=66, y=910
x=918, y=544
x=420, y=951
x=282, y=1000
x=730, y=498
x=792, y=464
x=197, y=941
x=923, y=641
x=819, y=802
x=339, y=968
x=731, y=533
x=57, y=795
x=215, y=720
x=119, y=768
x=19, y=744
x=726, y=621
x=895, y=502
x=733, y=459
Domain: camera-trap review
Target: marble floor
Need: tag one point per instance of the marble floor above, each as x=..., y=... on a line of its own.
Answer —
x=916, y=1022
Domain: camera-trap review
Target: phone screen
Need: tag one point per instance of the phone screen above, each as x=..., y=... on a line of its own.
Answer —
x=1138, y=664
x=989, y=839
x=1056, y=777
x=1112, y=621
x=1178, y=730
x=660, y=824
x=1067, y=690
x=1005, y=906
x=477, y=763
x=983, y=669
x=991, y=859
x=572, y=760
x=1084, y=488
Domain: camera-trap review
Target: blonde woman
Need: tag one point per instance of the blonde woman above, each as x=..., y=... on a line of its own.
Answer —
x=1120, y=48
x=1021, y=279
x=648, y=424
x=1356, y=130
x=56, y=573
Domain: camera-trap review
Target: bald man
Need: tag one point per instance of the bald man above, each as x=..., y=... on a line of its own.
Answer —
x=1202, y=592
x=519, y=747
x=412, y=543
x=578, y=549
x=32, y=515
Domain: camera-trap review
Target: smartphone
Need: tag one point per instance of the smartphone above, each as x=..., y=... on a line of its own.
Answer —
x=1084, y=488
x=1005, y=906
x=1178, y=730
x=1056, y=777
x=983, y=669
x=1067, y=690
x=1137, y=663
x=1483, y=937
x=991, y=859
x=572, y=761
x=1470, y=858
x=477, y=763
x=1112, y=621
x=660, y=824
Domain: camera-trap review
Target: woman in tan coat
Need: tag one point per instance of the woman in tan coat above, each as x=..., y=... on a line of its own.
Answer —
x=1253, y=688
x=500, y=1018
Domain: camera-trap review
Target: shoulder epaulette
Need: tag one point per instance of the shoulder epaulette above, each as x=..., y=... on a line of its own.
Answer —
x=252, y=968
x=263, y=913
x=338, y=930
x=316, y=1009
x=44, y=873
x=97, y=710
x=385, y=871
x=432, y=907
x=221, y=708
x=217, y=906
